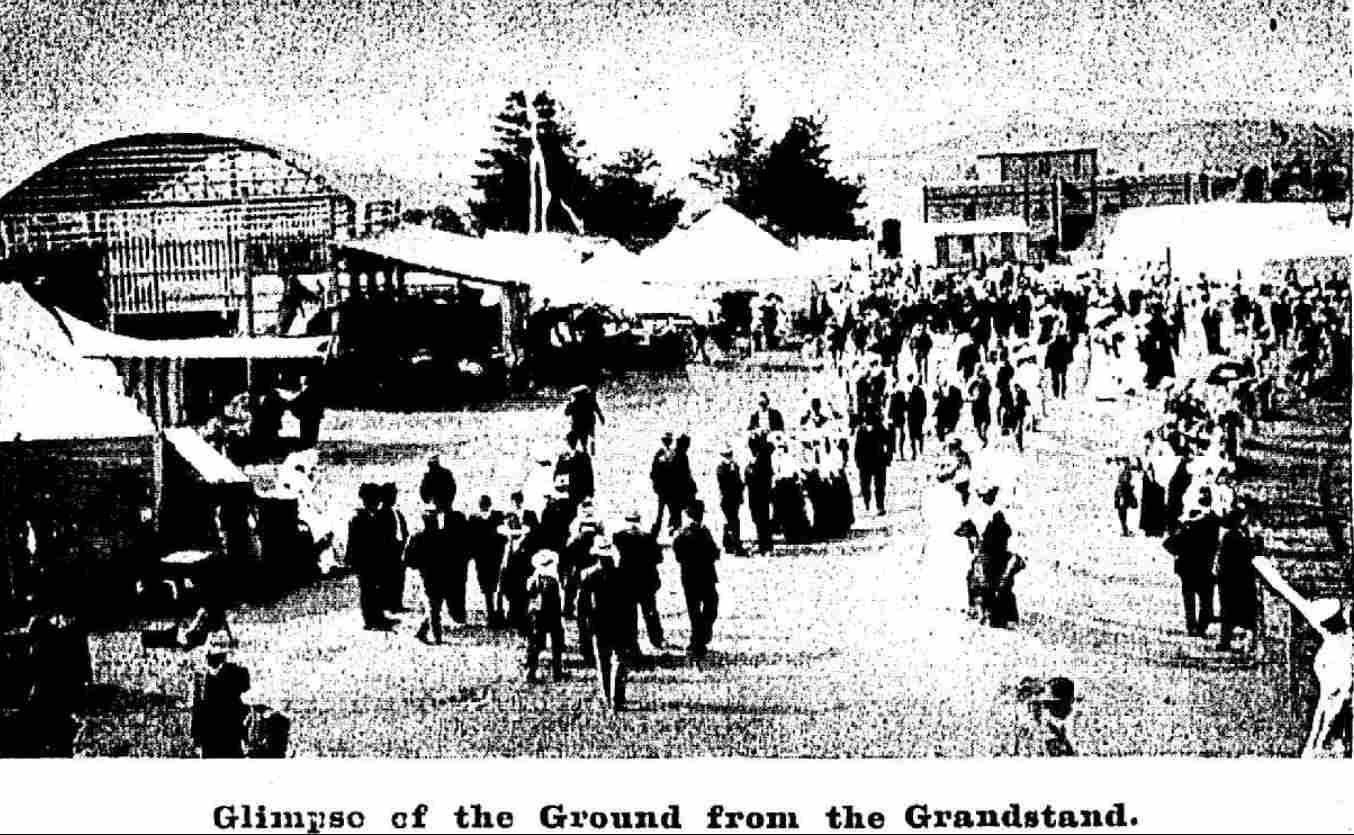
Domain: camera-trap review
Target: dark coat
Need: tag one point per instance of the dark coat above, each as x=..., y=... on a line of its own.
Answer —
x=438, y=486
x=639, y=558
x=696, y=552
x=774, y=419
x=916, y=411
x=730, y=480
x=372, y=540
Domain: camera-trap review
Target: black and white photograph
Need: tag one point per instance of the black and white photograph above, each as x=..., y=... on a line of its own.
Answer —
x=592, y=380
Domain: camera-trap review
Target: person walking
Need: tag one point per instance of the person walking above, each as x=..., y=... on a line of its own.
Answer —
x=393, y=584
x=980, y=393
x=758, y=476
x=438, y=487
x=584, y=414
x=1194, y=546
x=429, y=554
x=1057, y=359
x=371, y=538
x=660, y=477
x=638, y=557
x=920, y=344
x=696, y=553
x=873, y=453
x=1238, y=590
x=1125, y=498
x=218, y=711
x=545, y=615
x=606, y=623
x=729, y=477
x=484, y=545
x=915, y=411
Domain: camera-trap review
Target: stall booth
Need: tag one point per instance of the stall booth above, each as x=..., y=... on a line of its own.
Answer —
x=426, y=318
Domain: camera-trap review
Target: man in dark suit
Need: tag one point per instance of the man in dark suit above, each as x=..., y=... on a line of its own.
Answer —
x=606, y=623
x=766, y=419
x=1194, y=547
x=485, y=546
x=438, y=487
x=371, y=540
x=1057, y=359
x=873, y=453
x=915, y=410
x=638, y=558
x=660, y=477
x=730, y=479
x=429, y=554
x=757, y=477
x=696, y=553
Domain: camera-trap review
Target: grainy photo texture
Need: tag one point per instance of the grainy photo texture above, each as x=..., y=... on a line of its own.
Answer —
x=595, y=379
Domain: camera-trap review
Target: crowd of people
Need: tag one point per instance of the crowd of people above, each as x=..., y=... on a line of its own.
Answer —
x=545, y=559
x=976, y=359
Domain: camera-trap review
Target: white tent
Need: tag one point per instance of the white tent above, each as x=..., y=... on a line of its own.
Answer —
x=724, y=251
x=47, y=389
x=1222, y=239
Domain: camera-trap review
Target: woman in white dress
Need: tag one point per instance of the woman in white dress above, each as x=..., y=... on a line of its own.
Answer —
x=945, y=557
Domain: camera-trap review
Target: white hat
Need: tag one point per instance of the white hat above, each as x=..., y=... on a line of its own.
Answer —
x=544, y=559
x=1325, y=608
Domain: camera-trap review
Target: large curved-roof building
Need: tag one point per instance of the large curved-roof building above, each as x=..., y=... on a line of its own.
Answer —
x=132, y=230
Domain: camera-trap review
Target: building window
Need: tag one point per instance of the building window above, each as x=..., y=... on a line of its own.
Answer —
x=1076, y=166
x=970, y=211
x=966, y=244
x=1043, y=167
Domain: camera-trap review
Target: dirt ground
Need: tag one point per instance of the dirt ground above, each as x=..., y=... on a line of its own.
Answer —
x=828, y=650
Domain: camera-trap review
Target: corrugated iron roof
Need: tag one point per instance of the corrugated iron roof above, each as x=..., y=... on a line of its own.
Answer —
x=130, y=169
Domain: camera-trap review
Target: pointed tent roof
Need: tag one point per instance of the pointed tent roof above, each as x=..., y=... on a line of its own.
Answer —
x=721, y=248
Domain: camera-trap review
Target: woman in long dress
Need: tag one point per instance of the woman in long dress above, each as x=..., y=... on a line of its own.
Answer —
x=1157, y=471
x=945, y=555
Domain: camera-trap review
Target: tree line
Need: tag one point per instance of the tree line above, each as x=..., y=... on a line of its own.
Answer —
x=785, y=184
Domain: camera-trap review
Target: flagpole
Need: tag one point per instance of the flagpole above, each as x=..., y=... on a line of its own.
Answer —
x=531, y=166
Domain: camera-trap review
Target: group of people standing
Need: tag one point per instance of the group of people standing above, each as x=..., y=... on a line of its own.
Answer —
x=546, y=559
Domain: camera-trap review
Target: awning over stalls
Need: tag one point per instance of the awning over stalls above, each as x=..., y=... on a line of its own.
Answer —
x=457, y=256
x=93, y=343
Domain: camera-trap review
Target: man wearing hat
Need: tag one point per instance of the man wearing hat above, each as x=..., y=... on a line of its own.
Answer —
x=1238, y=593
x=1043, y=727
x=606, y=622
x=218, y=712
x=438, y=487
x=429, y=554
x=584, y=414
x=392, y=582
x=660, y=478
x=695, y=550
x=1194, y=545
x=758, y=476
x=729, y=477
x=639, y=556
x=545, y=602
x=915, y=412
x=371, y=539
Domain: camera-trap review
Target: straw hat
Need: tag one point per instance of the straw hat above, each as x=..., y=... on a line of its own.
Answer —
x=544, y=560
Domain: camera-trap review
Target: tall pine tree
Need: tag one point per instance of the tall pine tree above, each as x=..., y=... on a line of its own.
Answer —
x=799, y=195
x=503, y=176
x=735, y=172
x=627, y=204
